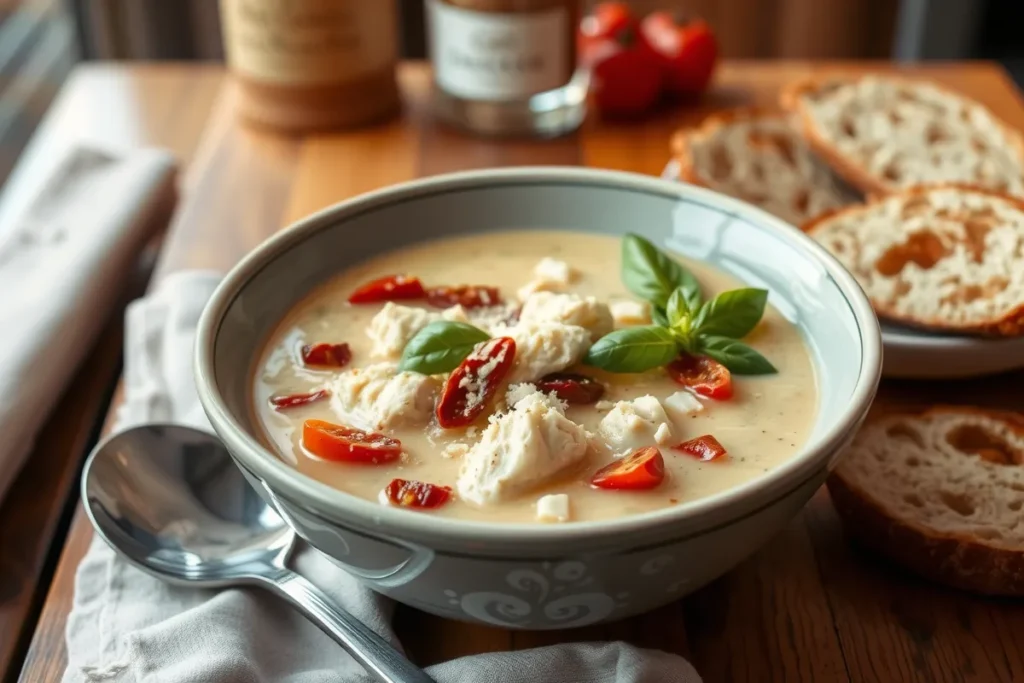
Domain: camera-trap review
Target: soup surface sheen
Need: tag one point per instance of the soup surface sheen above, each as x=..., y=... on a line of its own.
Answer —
x=761, y=426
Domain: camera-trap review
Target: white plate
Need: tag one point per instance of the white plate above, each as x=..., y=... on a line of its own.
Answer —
x=912, y=354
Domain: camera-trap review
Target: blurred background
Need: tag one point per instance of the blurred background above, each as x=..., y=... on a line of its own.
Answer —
x=41, y=40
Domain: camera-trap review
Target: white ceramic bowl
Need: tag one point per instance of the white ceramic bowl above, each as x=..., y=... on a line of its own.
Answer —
x=532, y=575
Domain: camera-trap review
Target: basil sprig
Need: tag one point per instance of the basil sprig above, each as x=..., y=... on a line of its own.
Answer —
x=440, y=347
x=683, y=320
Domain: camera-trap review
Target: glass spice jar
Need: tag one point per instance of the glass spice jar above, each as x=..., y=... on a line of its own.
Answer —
x=304, y=65
x=507, y=67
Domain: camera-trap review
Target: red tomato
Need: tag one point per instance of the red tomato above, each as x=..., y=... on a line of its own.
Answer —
x=606, y=21
x=703, y=447
x=332, y=355
x=625, y=74
x=417, y=494
x=467, y=296
x=688, y=51
x=644, y=468
x=296, y=400
x=389, y=288
x=571, y=388
x=704, y=375
x=344, y=444
x=471, y=385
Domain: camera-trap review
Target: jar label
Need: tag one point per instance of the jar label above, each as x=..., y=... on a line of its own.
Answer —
x=498, y=56
x=308, y=42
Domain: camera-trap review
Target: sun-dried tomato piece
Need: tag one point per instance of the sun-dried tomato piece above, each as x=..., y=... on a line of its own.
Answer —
x=389, y=288
x=328, y=355
x=417, y=494
x=472, y=385
x=644, y=468
x=571, y=387
x=345, y=444
x=467, y=296
x=296, y=400
x=703, y=448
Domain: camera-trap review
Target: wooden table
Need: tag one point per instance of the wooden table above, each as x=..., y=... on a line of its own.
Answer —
x=807, y=607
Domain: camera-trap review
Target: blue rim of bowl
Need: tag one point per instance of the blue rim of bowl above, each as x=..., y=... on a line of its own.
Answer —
x=332, y=503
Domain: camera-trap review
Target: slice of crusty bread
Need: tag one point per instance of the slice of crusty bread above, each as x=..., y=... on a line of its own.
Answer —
x=886, y=134
x=758, y=157
x=946, y=257
x=941, y=493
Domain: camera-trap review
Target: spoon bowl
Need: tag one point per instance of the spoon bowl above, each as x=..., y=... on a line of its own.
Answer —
x=170, y=500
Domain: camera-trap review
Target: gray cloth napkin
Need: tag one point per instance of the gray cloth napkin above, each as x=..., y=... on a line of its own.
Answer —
x=126, y=626
x=68, y=239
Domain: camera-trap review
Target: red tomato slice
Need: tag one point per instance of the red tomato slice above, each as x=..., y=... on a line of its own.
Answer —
x=704, y=375
x=703, y=448
x=417, y=494
x=644, y=468
x=296, y=400
x=389, y=288
x=467, y=296
x=344, y=444
x=331, y=355
x=571, y=387
x=471, y=386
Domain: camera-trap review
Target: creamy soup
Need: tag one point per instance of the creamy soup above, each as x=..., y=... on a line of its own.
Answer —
x=528, y=455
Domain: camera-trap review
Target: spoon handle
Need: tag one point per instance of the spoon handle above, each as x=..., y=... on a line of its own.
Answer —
x=374, y=653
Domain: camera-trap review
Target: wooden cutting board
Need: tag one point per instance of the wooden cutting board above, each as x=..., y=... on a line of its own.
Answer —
x=806, y=607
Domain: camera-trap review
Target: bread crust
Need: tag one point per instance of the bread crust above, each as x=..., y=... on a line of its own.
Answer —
x=958, y=560
x=682, y=139
x=1009, y=325
x=791, y=100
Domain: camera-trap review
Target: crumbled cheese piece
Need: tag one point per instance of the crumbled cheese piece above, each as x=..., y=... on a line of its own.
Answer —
x=553, y=507
x=626, y=313
x=683, y=403
x=455, y=450
x=471, y=432
x=492, y=318
x=636, y=423
x=663, y=435
x=543, y=348
x=554, y=270
x=394, y=325
x=520, y=450
x=534, y=286
x=604, y=405
x=568, y=309
x=517, y=392
x=379, y=397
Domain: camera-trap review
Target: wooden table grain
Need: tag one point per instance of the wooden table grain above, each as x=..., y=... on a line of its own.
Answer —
x=808, y=606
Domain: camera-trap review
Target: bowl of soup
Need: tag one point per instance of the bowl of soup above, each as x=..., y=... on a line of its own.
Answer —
x=537, y=397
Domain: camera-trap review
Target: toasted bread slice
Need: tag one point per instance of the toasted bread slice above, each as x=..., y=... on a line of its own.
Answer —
x=941, y=493
x=886, y=134
x=947, y=257
x=759, y=158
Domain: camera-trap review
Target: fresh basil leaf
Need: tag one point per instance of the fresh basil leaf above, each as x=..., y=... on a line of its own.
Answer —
x=633, y=349
x=658, y=316
x=731, y=314
x=653, y=275
x=440, y=347
x=677, y=310
x=735, y=355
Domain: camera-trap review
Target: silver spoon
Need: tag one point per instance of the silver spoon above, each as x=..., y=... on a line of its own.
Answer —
x=170, y=500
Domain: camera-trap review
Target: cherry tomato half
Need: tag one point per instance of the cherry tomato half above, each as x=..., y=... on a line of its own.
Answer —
x=345, y=444
x=644, y=468
x=296, y=400
x=703, y=375
x=571, y=387
x=472, y=385
x=467, y=296
x=417, y=494
x=703, y=448
x=389, y=288
x=328, y=355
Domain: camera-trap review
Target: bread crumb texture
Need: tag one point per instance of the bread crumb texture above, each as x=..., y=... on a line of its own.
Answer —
x=761, y=159
x=955, y=473
x=946, y=257
x=903, y=133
